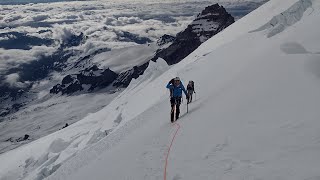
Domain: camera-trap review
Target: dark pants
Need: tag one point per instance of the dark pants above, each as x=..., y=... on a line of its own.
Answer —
x=175, y=101
x=190, y=92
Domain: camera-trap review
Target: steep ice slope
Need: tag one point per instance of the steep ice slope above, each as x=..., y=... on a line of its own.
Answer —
x=21, y=110
x=42, y=157
x=256, y=116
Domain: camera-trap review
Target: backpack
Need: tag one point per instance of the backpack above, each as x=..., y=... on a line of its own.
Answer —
x=192, y=86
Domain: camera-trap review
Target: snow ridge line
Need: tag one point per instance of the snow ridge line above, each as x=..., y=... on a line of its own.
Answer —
x=167, y=156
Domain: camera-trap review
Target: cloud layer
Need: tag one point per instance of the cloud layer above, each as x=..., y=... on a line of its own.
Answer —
x=106, y=25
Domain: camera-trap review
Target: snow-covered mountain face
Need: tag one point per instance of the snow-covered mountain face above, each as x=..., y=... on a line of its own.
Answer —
x=208, y=23
x=75, y=48
x=255, y=116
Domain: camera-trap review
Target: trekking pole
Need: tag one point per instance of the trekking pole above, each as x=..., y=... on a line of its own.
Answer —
x=175, y=112
x=187, y=107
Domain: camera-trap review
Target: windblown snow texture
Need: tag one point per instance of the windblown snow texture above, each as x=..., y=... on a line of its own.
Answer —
x=45, y=45
x=256, y=114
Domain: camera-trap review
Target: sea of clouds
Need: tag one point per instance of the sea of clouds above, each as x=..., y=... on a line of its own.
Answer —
x=32, y=34
x=33, y=30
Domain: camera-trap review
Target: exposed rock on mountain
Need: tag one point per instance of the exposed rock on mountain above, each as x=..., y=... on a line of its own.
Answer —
x=130, y=37
x=208, y=23
x=24, y=138
x=125, y=78
x=15, y=97
x=88, y=80
x=165, y=39
x=73, y=40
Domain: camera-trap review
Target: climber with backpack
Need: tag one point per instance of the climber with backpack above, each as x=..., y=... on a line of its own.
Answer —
x=190, y=91
x=176, y=87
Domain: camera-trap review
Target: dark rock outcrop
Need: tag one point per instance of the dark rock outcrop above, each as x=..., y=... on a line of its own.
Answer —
x=20, y=139
x=15, y=97
x=165, y=39
x=208, y=23
x=125, y=78
x=37, y=70
x=65, y=126
x=88, y=79
x=130, y=37
x=73, y=40
x=24, y=138
x=11, y=109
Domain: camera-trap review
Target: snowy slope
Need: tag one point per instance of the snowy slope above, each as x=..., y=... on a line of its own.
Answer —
x=90, y=28
x=109, y=25
x=255, y=117
x=123, y=59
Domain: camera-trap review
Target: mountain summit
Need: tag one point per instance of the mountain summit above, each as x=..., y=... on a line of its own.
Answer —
x=208, y=23
x=212, y=20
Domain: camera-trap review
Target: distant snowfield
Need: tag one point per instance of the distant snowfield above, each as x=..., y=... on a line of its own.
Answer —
x=255, y=117
x=49, y=114
x=123, y=59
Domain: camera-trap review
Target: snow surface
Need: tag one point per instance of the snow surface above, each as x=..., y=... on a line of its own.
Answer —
x=120, y=60
x=42, y=157
x=255, y=116
x=103, y=23
x=48, y=114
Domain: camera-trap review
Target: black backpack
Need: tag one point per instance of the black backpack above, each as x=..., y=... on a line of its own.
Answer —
x=192, y=86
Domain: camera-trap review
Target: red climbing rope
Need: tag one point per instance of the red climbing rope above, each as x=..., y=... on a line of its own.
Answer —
x=167, y=156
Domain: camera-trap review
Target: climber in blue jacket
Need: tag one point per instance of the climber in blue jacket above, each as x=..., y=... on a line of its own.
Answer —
x=176, y=87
